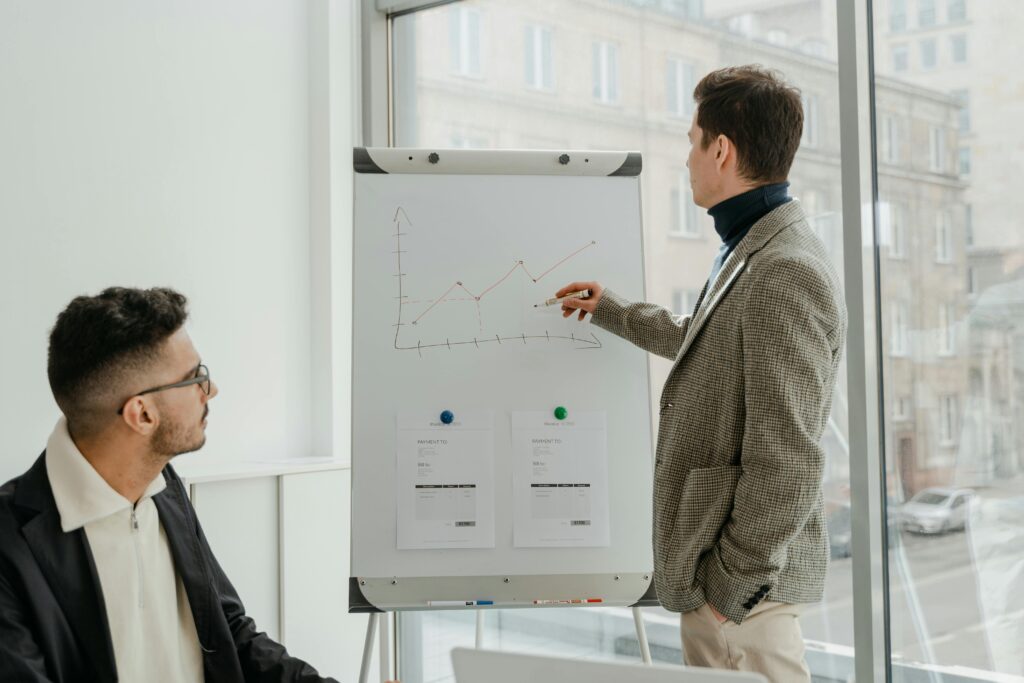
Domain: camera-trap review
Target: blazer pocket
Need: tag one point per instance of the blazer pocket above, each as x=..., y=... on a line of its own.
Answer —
x=704, y=507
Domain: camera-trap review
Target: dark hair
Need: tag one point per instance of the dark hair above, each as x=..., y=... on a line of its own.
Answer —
x=98, y=340
x=759, y=112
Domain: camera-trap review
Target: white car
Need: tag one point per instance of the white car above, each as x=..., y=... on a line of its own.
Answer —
x=936, y=510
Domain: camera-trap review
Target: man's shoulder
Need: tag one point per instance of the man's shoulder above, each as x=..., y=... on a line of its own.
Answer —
x=24, y=494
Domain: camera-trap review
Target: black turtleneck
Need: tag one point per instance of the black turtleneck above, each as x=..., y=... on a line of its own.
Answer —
x=735, y=216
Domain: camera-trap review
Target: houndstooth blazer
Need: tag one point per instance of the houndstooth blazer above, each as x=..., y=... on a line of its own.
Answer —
x=738, y=511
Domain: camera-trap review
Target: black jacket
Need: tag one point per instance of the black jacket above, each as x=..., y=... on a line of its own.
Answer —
x=53, y=622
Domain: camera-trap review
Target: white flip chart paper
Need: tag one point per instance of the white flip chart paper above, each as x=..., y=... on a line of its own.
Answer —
x=445, y=481
x=560, y=480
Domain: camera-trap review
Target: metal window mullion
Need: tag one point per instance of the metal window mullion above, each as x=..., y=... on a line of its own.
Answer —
x=864, y=347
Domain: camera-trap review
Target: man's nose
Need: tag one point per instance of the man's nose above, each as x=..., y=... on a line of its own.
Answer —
x=213, y=390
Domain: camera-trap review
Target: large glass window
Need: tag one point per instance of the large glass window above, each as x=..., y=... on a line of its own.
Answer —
x=955, y=443
x=645, y=59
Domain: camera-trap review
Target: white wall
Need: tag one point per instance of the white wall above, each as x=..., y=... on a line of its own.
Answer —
x=143, y=143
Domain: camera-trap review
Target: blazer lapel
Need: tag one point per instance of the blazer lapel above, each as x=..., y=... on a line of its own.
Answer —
x=66, y=562
x=172, y=507
x=760, y=234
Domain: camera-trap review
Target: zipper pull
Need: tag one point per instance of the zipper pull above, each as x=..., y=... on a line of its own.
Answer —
x=135, y=521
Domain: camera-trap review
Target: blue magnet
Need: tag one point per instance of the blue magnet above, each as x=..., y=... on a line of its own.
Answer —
x=447, y=417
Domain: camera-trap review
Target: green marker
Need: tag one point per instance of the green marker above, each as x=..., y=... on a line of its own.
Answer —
x=561, y=413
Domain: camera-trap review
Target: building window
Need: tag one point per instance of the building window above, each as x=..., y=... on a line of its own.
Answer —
x=900, y=58
x=464, y=40
x=894, y=219
x=684, y=301
x=777, y=36
x=929, y=54
x=958, y=48
x=926, y=15
x=964, y=160
x=814, y=48
x=899, y=335
x=943, y=238
x=606, y=72
x=947, y=330
x=684, y=211
x=810, y=133
x=972, y=280
x=956, y=10
x=891, y=141
x=680, y=82
x=936, y=149
x=901, y=409
x=947, y=419
x=898, y=16
x=968, y=225
x=540, y=73
x=963, y=97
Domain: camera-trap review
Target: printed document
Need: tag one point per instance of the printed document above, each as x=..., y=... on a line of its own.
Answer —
x=445, y=481
x=560, y=480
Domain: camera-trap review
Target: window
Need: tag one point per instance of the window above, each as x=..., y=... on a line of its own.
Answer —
x=963, y=97
x=680, y=82
x=810, y=133
x=964, y=427
x=814, y=48
x=894, y=229
x=899, y=335
x=943, y=237
x=958, y=48
x=929, y=53
x=777, y=36
x=947, y=330
x=901, y=409
x=642, y=60
x=947, y=419
x=898, y=16
x=956, y=10
x=464, y=40
x=540, y=73
x=968, y=225
x=900, y=58
x=684, y=301
x=684, y=211
x=936, y=149
x=964, y=160
x=890, y=140
x=606, y=72
x=926, y=13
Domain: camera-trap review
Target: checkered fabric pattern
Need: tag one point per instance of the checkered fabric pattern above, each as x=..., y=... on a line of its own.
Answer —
x=738, y=509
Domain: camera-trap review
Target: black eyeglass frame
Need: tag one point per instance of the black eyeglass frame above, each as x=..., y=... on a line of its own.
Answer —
x=202, y=378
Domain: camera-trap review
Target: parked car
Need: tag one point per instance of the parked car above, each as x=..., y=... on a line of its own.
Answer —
x=936, y=510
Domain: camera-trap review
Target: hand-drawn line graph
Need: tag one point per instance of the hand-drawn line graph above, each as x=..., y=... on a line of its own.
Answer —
x=403, y=300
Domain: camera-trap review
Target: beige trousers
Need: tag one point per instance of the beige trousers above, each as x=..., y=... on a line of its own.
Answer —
x=768, y=641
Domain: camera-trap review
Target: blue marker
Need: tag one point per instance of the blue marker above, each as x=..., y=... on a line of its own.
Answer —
x=447, y=417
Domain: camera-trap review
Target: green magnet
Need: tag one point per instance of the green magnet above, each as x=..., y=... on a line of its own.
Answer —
x=561, y=413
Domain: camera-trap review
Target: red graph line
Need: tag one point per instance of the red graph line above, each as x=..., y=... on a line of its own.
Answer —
x=518, y=265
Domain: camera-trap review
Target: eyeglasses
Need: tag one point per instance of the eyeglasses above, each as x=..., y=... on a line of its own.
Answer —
x=202, y=378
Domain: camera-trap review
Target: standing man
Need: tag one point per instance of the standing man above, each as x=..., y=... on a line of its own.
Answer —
x=105, y=573
x=739, y=529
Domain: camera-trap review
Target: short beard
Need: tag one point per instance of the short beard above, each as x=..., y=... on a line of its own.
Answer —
x=170, y=440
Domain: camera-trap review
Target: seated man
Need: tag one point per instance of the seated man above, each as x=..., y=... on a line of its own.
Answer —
x=105, y=573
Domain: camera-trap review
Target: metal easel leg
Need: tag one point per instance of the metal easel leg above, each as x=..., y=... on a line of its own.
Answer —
x=479, y=629
x=641, y=635
x=385, y=648
x=371, y=631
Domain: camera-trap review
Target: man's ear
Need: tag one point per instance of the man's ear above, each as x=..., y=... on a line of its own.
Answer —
x=723, y=147
x=141, y=415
